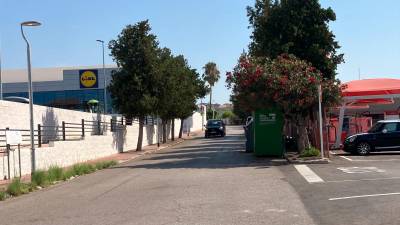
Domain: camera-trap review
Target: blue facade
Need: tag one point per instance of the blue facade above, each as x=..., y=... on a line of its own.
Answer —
x=68, y=99
x=76, y=88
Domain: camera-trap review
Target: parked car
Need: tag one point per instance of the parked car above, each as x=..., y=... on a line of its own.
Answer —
x=215, y=127
x=383, y=136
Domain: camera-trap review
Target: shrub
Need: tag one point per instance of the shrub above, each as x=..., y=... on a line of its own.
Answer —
x=55, y=173
x=16, y=188
x=40, y=178
x=2, y=195
x=310, y=152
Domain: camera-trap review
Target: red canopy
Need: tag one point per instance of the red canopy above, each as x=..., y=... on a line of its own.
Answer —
x=367, y=87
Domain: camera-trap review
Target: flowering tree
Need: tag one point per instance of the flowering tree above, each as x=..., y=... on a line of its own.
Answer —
x=287, y=83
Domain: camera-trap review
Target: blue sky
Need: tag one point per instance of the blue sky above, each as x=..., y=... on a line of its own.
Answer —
x=202, y=30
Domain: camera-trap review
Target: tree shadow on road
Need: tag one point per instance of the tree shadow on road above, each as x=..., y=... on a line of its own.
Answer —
x=210, y=154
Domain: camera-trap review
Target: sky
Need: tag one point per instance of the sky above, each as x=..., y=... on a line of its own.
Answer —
x=201, y=30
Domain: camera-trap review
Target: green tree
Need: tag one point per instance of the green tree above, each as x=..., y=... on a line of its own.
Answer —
x=295, y=27
x=195, y=89
x=133, y=88
x=211, y=76
x=170, y=70
x=179, y=88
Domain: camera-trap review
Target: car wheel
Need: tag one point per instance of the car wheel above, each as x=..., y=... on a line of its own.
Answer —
x=363, y=148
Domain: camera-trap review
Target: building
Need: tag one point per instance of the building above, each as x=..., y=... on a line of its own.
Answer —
x=67, y=88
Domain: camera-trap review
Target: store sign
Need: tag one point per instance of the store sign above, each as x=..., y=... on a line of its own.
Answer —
x=88, y=78
x=13, y=137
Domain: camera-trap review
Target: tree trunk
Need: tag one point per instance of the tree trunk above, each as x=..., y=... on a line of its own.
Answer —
x=181, y=129
x=140, y=136
x=302, y=136
x=173, y=130
x=164, y=131
x=211, y=101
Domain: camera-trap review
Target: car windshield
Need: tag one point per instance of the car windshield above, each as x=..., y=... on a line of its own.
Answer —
x=214, y=123
x=376, y=128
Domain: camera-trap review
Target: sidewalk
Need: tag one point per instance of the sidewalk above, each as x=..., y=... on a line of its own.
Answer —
x=126, y=155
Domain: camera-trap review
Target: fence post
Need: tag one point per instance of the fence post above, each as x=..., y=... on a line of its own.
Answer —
x=63, y=130
x=83, y=128
x=111, y=125
x=122, y=120
x=8, y=160
x=39, y=135
x=98, y=127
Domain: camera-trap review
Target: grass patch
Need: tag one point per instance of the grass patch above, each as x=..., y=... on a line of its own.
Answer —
x=310, y=152
x=40, y=178
x=3, y=195
x=81, y=169
x=105, y=164
x=16, y=188
x=68, y=174
x=54, y=173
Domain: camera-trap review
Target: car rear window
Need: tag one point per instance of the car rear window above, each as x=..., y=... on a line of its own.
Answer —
x=214, y=123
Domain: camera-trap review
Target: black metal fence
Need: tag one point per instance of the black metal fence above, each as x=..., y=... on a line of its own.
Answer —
x=68, y=131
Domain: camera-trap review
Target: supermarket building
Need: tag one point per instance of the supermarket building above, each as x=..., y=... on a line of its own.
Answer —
x=63, y=87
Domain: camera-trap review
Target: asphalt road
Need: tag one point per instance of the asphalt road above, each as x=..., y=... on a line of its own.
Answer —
x=356, y=190
x=202, y=181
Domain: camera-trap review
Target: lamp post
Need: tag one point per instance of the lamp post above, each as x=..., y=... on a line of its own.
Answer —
x=105, y=80
x=28, y=53
x=320, y=120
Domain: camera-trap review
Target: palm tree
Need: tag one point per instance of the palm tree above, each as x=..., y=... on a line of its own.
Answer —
x=211, y=75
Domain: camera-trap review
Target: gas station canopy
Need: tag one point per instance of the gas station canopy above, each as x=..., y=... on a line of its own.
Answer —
x=371, y=87
x=382, y=94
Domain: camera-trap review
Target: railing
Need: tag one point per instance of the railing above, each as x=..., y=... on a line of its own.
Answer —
x=67, y=131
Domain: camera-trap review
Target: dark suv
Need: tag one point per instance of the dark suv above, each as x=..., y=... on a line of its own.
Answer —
x=215, y=127
x=383, y=136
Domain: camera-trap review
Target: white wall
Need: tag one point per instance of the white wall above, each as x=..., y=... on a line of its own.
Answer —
x=66, y=153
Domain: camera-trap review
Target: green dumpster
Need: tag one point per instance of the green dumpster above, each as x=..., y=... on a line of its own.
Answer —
x=268, y=127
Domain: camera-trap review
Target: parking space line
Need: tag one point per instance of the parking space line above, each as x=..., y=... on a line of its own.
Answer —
x=308, y=174
x=347, y=158
x=368, y=179
x=363, y=196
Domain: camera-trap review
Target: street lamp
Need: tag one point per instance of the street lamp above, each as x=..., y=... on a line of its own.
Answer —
x=28, y=53
x=105, y=80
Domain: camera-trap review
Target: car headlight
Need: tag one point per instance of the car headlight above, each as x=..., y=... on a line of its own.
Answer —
x=221, y=128
x=352, y=138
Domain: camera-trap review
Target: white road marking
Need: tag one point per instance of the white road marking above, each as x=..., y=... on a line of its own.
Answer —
x=363, y=196
x=332, y=153
x=347, y=158
x=308, y=174
x=370, y=179
x=356, y=169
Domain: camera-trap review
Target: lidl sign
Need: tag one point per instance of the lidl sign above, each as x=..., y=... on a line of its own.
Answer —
x=88, y=79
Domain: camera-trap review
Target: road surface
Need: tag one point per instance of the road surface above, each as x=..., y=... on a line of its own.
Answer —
x=201, y=181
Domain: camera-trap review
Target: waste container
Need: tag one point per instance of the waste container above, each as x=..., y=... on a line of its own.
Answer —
x=268, y=128
x=249, y=133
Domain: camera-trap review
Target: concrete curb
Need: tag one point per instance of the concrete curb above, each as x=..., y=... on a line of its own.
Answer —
x=306, y=161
